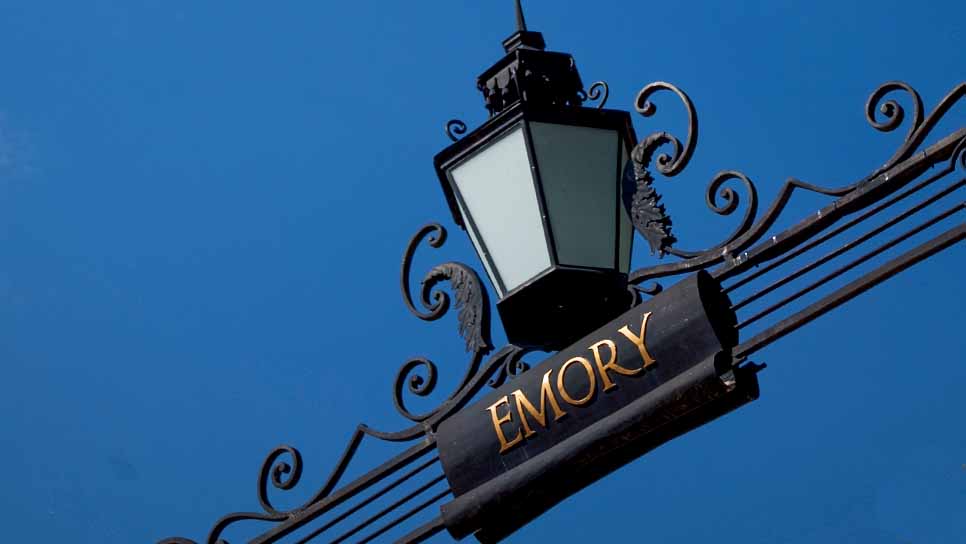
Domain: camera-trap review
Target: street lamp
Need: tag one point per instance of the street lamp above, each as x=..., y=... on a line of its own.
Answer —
x=550, y=193
x=538, y=189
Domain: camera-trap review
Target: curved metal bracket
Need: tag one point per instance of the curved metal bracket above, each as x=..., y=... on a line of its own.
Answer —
x=653, y=223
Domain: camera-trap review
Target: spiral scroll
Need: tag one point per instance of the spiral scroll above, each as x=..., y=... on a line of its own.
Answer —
x=751, y=227
x=669, y=165
x=418, y=384
x=730, y=203
x=598, y=91
x=282, y=468
x=894, y=115
x=512, y=367
x=284, y=476
x=455, y=129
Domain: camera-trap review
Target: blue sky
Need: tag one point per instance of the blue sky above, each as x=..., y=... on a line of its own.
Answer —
x=203, y=207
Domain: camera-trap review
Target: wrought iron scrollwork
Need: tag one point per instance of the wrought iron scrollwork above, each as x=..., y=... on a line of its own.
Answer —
x=669, y=165
x=473, y=317
x=651, y=220
x=512, y=366
x=919, y=127
x=598, y=91
x=455, y=129
x=643, y=203
x=282, y=467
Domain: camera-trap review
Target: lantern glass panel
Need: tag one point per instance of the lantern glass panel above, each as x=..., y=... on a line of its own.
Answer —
x=499, y=203
x=626, y=230
x=578, y=168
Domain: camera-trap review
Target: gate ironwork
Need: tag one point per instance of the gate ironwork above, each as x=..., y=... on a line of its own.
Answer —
x=916, y=193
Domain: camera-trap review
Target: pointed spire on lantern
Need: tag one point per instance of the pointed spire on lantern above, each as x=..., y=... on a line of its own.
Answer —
x=530, y=74
x=521, y=22
x=523, y=38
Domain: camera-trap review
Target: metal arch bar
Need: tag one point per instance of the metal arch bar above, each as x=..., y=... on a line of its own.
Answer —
x=843, y=269
x=369, y=500
x=429, y=502
x=424, y=532
x=849, y=246
x=369, y=479
x=868, y=193
x=851, y=290
x=375, y=517
x=834, y=232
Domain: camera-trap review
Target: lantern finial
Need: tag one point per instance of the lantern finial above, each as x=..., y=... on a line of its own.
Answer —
x=521, y=21
x=523, y=38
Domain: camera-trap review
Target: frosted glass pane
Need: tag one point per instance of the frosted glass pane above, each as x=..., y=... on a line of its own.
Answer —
x=578, y=167
x=496, y=186
x=627, y=231
x=486, y=264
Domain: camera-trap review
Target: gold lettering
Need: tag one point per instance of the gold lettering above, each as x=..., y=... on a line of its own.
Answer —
x=540, y=416
x=611, y=364
x=639, y=341
x=590, y=377
x=499, y=420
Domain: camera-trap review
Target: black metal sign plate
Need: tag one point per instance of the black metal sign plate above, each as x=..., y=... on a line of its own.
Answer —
x=587, y=404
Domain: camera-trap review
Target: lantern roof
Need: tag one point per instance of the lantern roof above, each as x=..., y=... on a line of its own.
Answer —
x=530, y=74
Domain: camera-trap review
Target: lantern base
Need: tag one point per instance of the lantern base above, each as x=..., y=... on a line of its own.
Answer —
x=562, y=305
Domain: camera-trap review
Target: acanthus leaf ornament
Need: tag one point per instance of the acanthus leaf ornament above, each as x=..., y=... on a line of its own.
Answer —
x=473, y=307
x=282, y=468
x=471, y=301
x=752, y=227
x=643, y=204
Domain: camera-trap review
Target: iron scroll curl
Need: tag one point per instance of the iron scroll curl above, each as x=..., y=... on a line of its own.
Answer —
x=455, y=129
x=282, y=468
x=642, y=201
x=919, y=128
x=653, y=223
x=598, y=91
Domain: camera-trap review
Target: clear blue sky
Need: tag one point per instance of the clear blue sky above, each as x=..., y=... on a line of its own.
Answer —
x=203, y=206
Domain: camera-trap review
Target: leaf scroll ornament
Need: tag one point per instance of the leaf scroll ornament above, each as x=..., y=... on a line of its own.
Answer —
x=643, y=203
x=471, y=301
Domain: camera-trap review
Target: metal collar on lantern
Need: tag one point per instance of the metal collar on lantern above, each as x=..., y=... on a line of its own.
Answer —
x=538, y=189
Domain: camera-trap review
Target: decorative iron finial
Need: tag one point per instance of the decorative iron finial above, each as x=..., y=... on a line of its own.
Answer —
x=521, y=22
x=528, y=73
x=523, y=38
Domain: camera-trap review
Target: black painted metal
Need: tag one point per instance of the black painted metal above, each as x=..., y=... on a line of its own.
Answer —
x=424, y=532
x=871, y=212
x=852, y=290
x=412, y=512
x=849, y=266
x=696, y=390
x=387, y=510
x=369, y=500
x=502, y=505
x=732, y=250
x=544, y=313
x=866, y=199
x=690, y=322
x=529, y=74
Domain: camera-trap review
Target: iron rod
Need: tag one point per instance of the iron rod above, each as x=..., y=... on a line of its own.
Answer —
x=429, y=502
x=423, y=532
x=368, y=500
x=838, y=272
x=375, y=517
x=851, y=290
x=834, y=232
x=870, y=191
x=372, y=477
x=849, y=246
